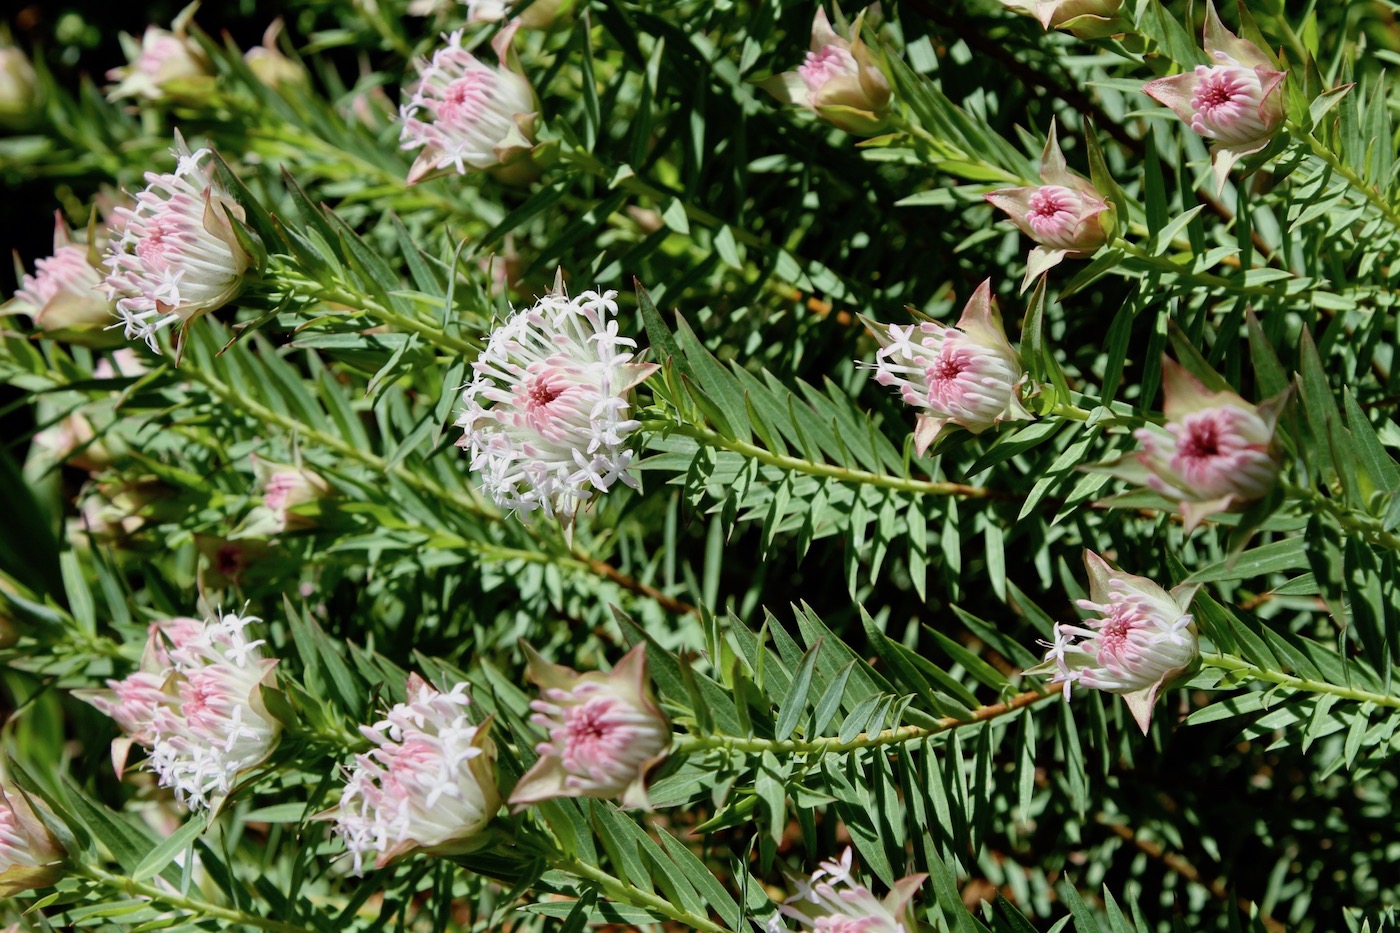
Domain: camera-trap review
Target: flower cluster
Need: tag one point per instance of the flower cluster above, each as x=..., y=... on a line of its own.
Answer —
x=832, y=899
x=546, y=411
x=1141, y=639
x=177, y=254
x=30, y=856
x=196, y=704
x=466, y=115
x=838, y=80
x=605, y=732
x=1238, y=101
x=428, y=784
x=967, y=376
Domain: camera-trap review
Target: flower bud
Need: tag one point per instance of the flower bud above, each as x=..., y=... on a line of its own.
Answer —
x=30, y=856
x=428, y=785
x=1142, y=638
x=467, y=116
x=19, y=87
x=284, y=487
x=178, y=254
x=967, y=376
x=605, y=732
x=1238, y=101
x=1086, y=19
x=271, y=67
x=832, y=899
x=1066, y=215
x=165, y=65
x=839, y=81
x=63, y=296
x=1216, y=452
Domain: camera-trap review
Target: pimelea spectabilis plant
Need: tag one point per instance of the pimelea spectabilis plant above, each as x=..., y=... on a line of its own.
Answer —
x=833, y=621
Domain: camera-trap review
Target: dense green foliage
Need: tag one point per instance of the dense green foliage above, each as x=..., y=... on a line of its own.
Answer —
x=836, y=626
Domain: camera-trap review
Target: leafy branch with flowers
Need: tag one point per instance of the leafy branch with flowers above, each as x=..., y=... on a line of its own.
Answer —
x=679, y=465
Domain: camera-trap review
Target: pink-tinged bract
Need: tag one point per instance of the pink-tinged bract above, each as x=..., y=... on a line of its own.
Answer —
x=967, y=376
x=1086, y=19
x=1066, y=214
x=196, y=705
x=605, y=732
x=1139, y=638
x=838, y=80
x=832, y=899
x=428, y=785
x=1237, y=101
x=546, y=411
x=176, y=255
x=30, y=856
x=467, y=116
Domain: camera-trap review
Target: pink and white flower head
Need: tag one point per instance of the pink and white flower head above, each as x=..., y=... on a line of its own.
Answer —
x=1141, y=638
x=30, y=856
x=196, y=705
x=839, y=80
x=967, y=376
x=546, y=411
x=165, y=65
x=832, y=899
x=428, y=785
x=1066, y=215
x=63, y=296
x=1216, y=452
x=605, y=732
x=467, y=116
x=1086, y=19
x=177, y=255
x=1237, y=101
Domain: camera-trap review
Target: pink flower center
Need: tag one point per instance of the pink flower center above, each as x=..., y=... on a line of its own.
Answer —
x=945, y=375
x=1201, y=441
x=541, y=393
x=159, y=241
x=593, y=734
x=1054, y=211
x=1226, y=104
x=821, y=66
x=466, y=98
x=1115, y=631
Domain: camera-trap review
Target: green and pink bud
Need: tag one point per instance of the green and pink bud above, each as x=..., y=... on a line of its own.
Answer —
x=1086, y=19
x=1237, y=101
x=839, y=81
x=30, y=855
x=1066, y=214
x=605, y=732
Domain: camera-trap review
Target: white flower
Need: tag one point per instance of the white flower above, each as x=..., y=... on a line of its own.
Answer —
x=429, y=784
x=177, y=255
x=833, y=900
x=1141, y=639
x=196, y=704
x=546, y=411
x=466, y=115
